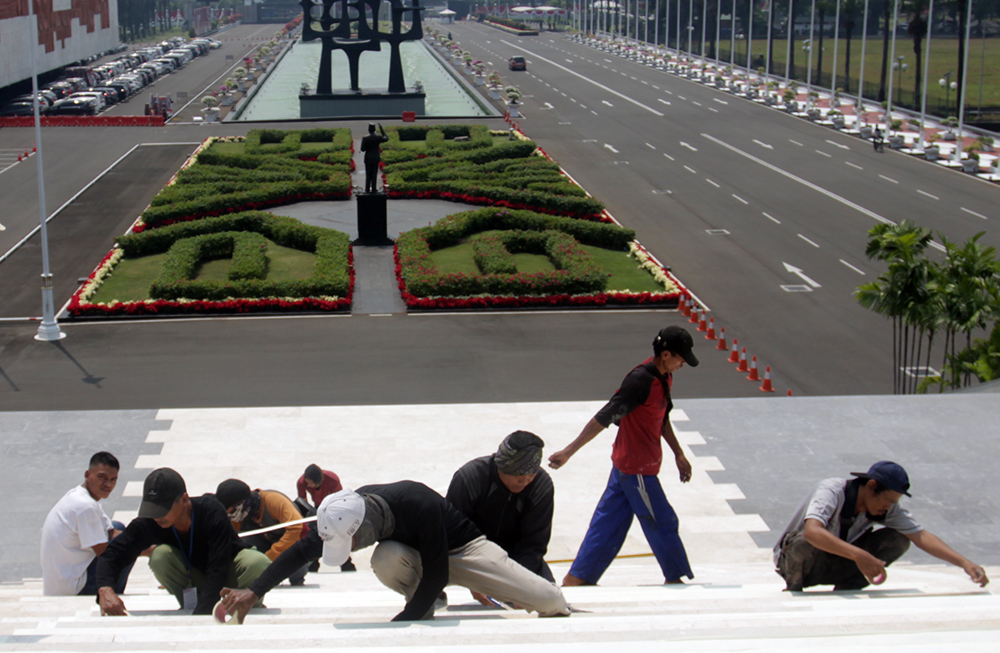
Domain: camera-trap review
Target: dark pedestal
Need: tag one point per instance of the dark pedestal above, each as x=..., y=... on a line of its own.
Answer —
x=371, y=104
x=371, y=220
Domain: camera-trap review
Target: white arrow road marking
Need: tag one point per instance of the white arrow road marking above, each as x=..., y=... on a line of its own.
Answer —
x=611, y=148
x=797, y=272
x=762, y=144
x=840, y=145
x=690, y=147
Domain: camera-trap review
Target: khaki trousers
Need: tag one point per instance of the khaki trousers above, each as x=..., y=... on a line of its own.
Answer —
x=480, y=566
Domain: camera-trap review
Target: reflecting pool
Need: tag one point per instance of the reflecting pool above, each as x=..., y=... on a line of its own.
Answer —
x=278, y=97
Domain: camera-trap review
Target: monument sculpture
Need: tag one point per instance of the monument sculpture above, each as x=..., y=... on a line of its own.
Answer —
x=353, y=27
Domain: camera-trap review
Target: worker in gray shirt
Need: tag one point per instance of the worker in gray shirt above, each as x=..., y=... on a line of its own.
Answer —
x=832, y=539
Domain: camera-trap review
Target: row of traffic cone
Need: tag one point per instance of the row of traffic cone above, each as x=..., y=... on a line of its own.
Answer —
x=26, y=154
x=689, y=308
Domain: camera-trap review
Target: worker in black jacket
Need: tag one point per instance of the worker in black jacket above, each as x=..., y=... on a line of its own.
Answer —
x=424, y=545
x=196, y=553
x=510, y=498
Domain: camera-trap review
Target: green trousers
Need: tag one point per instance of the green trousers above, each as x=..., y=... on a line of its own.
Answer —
x=167, y=564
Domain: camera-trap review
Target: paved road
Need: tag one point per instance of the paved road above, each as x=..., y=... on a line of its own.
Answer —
x=819, y=342
x=732, y=195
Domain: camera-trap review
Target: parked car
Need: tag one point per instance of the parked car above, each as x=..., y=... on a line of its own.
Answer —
x=111, y=95
x=43, y=99
x=74, y=107
x=97, y=98
x=123, y=89
x=21, y=108
x=517, y=63
x=61, y=89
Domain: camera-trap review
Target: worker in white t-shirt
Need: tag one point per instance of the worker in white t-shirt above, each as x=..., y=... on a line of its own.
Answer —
x=77, y=531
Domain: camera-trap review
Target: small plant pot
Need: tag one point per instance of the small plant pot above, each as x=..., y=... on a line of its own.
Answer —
x=970, y=165
x=495, y=93
x=227, y=100
x=896, y=142
x=948, y=136
x=211, y=115
x=813, y=114
x=838, y=122
x=866, y=132
x=931, y=152
x=513, y=108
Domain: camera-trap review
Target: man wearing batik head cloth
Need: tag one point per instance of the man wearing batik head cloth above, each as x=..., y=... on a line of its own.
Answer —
x=510, y=498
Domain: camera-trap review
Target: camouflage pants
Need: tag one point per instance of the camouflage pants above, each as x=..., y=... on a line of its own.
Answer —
x=803, y=565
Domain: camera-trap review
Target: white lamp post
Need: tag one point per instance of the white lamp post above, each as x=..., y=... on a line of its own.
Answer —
x=965, y=85
x=861, y=75
x=892, y=69
x=48, y=330
x=927, y=60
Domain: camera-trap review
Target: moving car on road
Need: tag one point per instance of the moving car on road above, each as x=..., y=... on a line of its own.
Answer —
x=517, y=63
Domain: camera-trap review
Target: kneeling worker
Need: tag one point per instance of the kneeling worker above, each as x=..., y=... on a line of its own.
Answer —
x=424, y=545
x=509, y=497
x=831, y=541
x=197, y=551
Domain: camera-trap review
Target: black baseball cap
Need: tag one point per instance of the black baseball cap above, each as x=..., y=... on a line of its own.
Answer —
x=159, y=491
x=231, y=492
x=676, y=340
x=889, y=474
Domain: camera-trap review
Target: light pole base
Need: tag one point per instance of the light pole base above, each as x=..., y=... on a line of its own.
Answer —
x=49, y=332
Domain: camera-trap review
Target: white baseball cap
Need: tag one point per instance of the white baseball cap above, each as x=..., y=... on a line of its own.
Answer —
x=337, y=520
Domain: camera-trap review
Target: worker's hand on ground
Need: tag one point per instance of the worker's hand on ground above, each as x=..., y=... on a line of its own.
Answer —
x=869, y=565
x=684, y=467
x=558, y=459
x=111, y=604
x=482, y=599
x=976, y=573
x=238, y=602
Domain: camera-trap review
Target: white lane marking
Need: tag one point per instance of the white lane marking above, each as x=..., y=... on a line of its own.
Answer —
x=682, y=97
x=645, y=82
x=563, y=94
x=861, y=272
x=583, y=106
x=585, y=78
x=819, y=189
x=853, y=165
x=607, y=103
x=740, y=198
x=662, y=100
x=717, y=99
x=690, y=147
x=713, y=110
x=3, y=228
x=669, y=92
x=697, y=104
x=889, y=179
x=548, y=106
x=795, y=142
x=569, y=61
x=656, y=87
x=573, y=100
x=762, y=144
x=713, y=183
x=611, y=148
x=773, y=219
x=797, y=272
x=669, y=157
x=635, y=78
x=840, y=145
x=978, y=215
x=690, y=169
x=824, y=154
x=593, y=112
x=926, y=194
x=808, y=241
x=650, y=146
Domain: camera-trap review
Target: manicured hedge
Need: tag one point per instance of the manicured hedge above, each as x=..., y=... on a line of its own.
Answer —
x=518, y=231
x=189, y=243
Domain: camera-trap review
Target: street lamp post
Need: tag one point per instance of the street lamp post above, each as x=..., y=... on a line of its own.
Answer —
x=943, y=83
x=48, y=330
x=902, y=68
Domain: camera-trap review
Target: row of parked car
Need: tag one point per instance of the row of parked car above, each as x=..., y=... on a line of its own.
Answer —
x=88, y=91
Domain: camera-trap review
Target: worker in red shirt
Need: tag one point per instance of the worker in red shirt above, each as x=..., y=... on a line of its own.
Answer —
x=320, y=483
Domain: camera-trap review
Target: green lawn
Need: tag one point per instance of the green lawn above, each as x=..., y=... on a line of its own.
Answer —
x=625, y=271
x=132, y=277
x=228, y=148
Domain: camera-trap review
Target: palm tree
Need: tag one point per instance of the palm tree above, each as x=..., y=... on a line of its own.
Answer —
x=848, y=10
x=917, y=29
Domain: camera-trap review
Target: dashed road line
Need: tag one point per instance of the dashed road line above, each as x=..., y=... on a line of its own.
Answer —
x=650, y=146
x=663, y=101
x=829, y=156
x=854, y=165
x=713, y=110
x=739, y=199
x=669, y=157
x=713, y=183
x=890, y=179
x=772, y=218
x=795, y=142
x=978, y=215
x=861, y=272
x=808, y=241
x=690, y=169
x=720, y=101
x=926, y=194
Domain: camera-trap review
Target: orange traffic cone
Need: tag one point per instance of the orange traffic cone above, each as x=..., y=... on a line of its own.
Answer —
x=766, y=385
x=734, y=356
x=18, y=157
x=789, y=393
x=685, y=304
x=694, y=313
x=743, y=362
x=702, y=324
x=722, y=341
x=753, y=371
x=711, y=329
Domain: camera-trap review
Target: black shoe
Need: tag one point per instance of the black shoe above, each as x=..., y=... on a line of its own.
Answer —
x=348, y=566
x=297, y=582
x=314, y=567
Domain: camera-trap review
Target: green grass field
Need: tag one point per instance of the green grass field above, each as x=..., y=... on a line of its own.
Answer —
x=944, y=58
x=624, y=270
x=132, y=278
